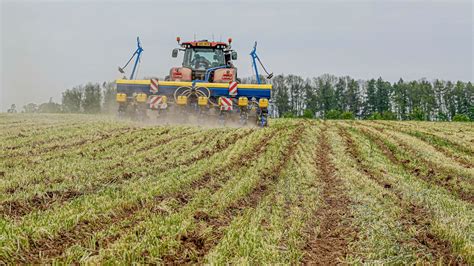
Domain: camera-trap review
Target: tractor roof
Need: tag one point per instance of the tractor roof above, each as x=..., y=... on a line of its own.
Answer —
x=204, y=43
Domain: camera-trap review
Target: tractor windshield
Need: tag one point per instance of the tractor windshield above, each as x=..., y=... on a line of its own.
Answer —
x=203, y=58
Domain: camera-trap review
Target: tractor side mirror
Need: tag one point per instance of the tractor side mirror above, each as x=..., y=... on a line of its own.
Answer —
x=174, y=53
x=234, y=55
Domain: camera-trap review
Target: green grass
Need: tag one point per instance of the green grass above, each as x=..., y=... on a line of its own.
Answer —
x=91, y=189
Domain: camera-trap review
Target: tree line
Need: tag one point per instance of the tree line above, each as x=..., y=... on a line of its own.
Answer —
x=91, y=98
x=331, y=97
x=325, y=96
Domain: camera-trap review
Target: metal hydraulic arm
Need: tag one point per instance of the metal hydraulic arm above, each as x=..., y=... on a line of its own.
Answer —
x=255, y=58
x=137, y=53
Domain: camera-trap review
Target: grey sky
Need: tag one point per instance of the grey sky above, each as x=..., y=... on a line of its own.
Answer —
x=48, y=47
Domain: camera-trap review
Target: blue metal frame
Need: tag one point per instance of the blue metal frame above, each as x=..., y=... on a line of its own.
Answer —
x=138, y=52
x=215, y=91
x=254, y=63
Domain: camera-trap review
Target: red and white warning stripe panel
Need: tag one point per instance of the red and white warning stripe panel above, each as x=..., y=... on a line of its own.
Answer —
x=157, y=102
x=233, y=88
x=153, y=85
x=226, y=104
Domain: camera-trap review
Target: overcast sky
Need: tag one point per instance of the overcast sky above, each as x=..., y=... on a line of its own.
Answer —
x=50, y=46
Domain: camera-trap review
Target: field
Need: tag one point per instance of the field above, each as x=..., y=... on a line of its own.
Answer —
x=76, y=188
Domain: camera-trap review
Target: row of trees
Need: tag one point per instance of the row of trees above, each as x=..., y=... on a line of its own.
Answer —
x=332, y=97
x=326, y=96
x=48, y=107
x=91, y=98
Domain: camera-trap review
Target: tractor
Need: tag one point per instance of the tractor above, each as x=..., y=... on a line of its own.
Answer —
x=204, y=86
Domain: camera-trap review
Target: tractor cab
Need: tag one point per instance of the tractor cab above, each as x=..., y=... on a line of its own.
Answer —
x=205, y=61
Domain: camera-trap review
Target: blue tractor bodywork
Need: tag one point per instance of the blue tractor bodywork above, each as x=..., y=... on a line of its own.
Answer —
x=168, y=88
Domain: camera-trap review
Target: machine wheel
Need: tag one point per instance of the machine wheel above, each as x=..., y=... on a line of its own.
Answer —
x=141, y=112
x=244, y=117
x=202, y=114
x=262, y=119
x=163, y=113
x=222, y=118
x=183, y=114
x=122, y=111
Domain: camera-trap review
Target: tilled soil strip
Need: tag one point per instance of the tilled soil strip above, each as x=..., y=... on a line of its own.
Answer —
x=26, y=126
x=40, y=142
x=48, y=248
x=212, y=180
x=14, y=188
x=82, y=141
x=414, y=216
x=411, y=150
x=431, y=176
x=426, y=137
x=194, y=247
x=19, y=208
x=132, y=137
x=331, y=244
x=299, y=202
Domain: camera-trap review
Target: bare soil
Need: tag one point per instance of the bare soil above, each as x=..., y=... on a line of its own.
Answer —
x=330, y=244
x=413, y=216
x=194, y=245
